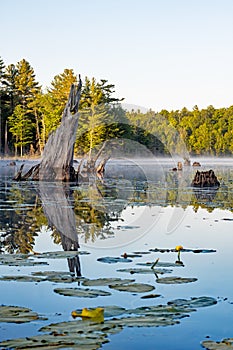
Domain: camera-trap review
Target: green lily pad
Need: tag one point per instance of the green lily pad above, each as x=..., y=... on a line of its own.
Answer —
x=162, y=310
x=77, y=326
x=225, y=344
x=57, y=341
x=19, y=278
x=80, y=292
x=105, y=281
x=194, y=302
x=133, y=287
x=160, y=264
x=17, y=314
x=51, y=276
x=19, y=260
x=146, y=321
x=145, y=271
x=60, y=254
x=175, y=280
x=113, y=260
x=57, y=276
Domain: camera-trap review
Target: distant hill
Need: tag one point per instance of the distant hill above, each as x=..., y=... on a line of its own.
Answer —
x=128, y=107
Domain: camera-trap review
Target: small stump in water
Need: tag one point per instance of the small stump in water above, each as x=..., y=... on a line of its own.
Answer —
x=205, y=179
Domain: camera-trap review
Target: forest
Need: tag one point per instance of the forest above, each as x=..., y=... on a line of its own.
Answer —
x=28, y=114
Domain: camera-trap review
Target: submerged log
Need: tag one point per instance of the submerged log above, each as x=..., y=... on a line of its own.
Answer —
x=205, y=179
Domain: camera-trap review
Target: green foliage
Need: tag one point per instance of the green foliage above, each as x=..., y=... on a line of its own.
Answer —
x=32, y=115
x=21, y=128
x=99, y=116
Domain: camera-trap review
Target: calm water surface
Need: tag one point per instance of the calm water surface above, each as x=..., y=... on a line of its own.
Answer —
x=139, y=206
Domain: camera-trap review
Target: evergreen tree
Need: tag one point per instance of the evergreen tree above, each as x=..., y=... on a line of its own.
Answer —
x=21, y=129
x=24, y=89
x=25, y=83
x=10, y=77
x=2, y=74
x=99, y=118
x=59, y=91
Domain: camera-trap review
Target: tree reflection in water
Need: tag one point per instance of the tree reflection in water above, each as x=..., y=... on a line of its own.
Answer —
x=89, y=210
x=57, y=202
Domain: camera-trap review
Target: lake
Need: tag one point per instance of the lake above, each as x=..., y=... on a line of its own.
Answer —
x=152, y=252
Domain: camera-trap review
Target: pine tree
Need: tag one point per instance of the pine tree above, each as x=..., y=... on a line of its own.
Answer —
x=21, y=128
x=98, y=120
x=60, y=89
x=2, y=72
x=25, y=83
x=24, y=89
x=10, y=77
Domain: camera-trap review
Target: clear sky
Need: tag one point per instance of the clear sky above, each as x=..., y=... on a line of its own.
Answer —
x=160, y=54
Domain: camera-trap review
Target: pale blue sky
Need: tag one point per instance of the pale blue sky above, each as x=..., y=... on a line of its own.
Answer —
x=159, y=53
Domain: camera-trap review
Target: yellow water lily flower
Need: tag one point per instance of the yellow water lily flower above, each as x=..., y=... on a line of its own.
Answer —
x=96, y=314
x=179, y=248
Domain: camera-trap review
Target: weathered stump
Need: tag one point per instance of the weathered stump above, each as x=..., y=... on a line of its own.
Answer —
x=57, y=160
x=205, y=179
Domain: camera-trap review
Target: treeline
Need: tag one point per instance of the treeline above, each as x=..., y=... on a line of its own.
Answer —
x=28, y=115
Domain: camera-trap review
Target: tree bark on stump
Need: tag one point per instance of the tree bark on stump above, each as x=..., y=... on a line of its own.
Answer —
x=57, y=160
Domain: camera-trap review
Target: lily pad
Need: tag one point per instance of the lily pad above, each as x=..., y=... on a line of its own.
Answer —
x=106, y=281
x=60, y=254
x=160, y=264
x=133, y=287
x=80, y=292
x=113, y=260
x=175, y=280
x=194, y=302
x=57, y=341
x=77, y=326
x=112, y=310
x=145, y=271
x=225, y=344
x=19, y=260
x=57, y=276
x=146, y=321
x=17, y=314
x=19, y=278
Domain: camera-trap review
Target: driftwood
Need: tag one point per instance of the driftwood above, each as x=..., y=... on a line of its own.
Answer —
x=205, y=179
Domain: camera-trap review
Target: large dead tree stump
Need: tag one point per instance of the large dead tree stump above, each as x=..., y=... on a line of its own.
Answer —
x=57, y=160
